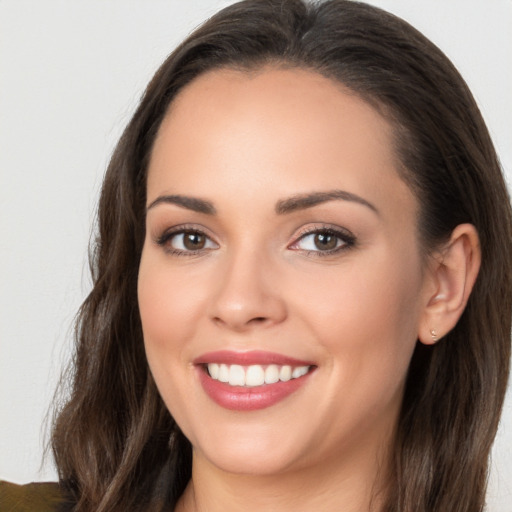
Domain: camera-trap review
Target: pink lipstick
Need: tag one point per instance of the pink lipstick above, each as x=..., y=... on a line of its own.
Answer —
x=247, y=381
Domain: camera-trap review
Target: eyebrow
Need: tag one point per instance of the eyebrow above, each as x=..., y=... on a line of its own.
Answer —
x=190, y=203
x=284, y=206
x=303, y=201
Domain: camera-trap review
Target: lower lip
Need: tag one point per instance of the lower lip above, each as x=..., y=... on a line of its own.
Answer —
x=238, y=398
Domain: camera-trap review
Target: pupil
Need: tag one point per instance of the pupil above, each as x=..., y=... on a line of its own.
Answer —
x=194, y=241
x=325, y=242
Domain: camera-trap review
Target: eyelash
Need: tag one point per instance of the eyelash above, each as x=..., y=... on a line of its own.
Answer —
x=166, y=237
x=348, y=240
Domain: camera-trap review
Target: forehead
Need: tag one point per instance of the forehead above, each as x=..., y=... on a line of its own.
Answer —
x=294, y=100
x=274, y=130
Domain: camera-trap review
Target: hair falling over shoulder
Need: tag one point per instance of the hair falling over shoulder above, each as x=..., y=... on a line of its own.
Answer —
x=116, y=446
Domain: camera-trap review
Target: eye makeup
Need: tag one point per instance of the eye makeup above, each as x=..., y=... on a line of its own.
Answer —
x=316, y=240
x=186, y=240
x=323, y=240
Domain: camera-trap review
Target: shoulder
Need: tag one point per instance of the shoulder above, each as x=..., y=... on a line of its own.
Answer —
x=35, y=497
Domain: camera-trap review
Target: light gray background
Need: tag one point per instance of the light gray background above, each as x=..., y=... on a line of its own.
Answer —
x=71, y=73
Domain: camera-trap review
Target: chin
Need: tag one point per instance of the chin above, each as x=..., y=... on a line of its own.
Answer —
x=252, y=463
x=265, y=452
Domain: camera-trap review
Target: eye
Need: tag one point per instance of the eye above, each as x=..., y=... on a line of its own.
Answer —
x=325, y=240
x=186, y=241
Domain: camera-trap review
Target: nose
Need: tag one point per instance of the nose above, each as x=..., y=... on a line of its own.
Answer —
x=248, y=294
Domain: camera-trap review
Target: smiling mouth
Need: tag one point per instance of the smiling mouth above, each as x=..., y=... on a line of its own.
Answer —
x=253, y=380
x=254, y=375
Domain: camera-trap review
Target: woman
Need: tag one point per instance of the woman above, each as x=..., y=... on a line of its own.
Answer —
x=302, y=291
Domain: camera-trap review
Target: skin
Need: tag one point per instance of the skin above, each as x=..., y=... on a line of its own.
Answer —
x=244, y=142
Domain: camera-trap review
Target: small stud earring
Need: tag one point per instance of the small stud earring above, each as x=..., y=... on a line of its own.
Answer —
x=433, y=333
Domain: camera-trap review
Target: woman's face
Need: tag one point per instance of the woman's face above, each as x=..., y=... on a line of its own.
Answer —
x=281, y=255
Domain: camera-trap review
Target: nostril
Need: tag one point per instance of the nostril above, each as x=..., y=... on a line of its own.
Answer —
x=258, y=320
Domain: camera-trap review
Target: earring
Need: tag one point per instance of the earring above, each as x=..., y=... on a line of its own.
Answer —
x=433, y=333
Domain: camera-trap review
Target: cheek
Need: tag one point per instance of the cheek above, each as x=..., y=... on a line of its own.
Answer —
x=376, y=298
x=169, y=302
x=366, y=318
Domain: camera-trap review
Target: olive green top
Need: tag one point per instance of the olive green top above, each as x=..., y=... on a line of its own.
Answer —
x=36, y=497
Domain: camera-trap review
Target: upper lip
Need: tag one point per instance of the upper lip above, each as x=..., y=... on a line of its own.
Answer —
x=249, y=358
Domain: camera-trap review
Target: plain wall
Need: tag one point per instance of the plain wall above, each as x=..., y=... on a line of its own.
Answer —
x=71, y=74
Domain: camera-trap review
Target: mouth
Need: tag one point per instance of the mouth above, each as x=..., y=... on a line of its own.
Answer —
x=250, y=381
x=255, y=375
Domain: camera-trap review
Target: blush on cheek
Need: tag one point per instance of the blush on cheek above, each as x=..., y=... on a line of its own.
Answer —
x=169, y=316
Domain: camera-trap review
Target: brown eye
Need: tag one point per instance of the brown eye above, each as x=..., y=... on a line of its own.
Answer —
x=325, y=241
x=185, y=242
x=194, y=241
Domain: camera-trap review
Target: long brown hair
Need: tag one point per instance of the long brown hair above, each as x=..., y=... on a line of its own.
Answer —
x=116, y=446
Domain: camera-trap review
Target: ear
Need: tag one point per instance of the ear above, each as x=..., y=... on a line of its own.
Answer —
x=451, y=276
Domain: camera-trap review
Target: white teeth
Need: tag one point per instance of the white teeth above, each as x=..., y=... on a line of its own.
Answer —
x=223, y=373
x=299, y=371
x=271, y=374
x=236, y=375
x=254, y=375
x=286, y=373
x=213, y=370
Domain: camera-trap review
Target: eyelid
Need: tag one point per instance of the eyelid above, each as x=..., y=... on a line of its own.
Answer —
x=173, y=231
x=343, y=234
